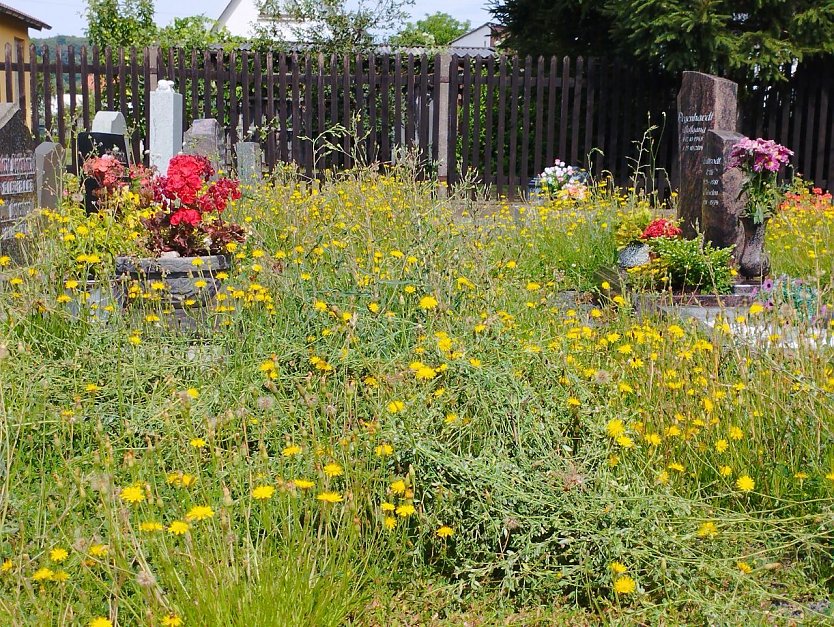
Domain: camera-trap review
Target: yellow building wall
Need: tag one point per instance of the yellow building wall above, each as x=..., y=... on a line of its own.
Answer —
x=11, y=31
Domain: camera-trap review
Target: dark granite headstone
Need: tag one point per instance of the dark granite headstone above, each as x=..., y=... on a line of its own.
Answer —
x=722, y=200
x=17, y=175
x=49, y=168
x=705, y=102
x=205, y=137
x=95, y=145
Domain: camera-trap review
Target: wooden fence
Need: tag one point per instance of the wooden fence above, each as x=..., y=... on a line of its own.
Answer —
x=500, y=119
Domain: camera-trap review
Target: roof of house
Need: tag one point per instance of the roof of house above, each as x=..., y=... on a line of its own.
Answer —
x=30, y=21
x=492, y=27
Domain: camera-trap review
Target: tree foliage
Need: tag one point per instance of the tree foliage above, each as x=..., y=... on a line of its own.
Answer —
x=743, y=39
x=193, y=32
x=331, y=26
x=435, y=30
x=120, y=22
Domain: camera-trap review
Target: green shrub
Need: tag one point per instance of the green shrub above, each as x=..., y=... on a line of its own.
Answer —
x=695, y=264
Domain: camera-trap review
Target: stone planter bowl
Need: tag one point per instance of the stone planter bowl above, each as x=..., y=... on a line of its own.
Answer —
x=179, y=274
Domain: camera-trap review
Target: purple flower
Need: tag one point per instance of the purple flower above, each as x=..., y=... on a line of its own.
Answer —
x=759, y=155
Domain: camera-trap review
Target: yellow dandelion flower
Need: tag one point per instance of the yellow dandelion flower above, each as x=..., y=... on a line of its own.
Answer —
x=405, y=510
x=383, y=450
x=100, y=621
x=263, y=492
x=745, y=483
x=744, y=567
x=192, y=393
x=329, y=497
x=756, y=308
x=171, y=620
x=736, y=433
x=396, y=406
x=388, y=507
x=303, y=484
x=61, y=576
x=6, y=566
x=58, y=555
x=199, y=512
x=428, y=302
x=292, y=449
x=624, y=585
x=707, y=530
x=390, y=522
x=445, y=531
x=178, y=527
x=617, y=568
x=615, y=428
x=721, y=446
x=150, y=526
x=725, y=471
x=132, y=494
x=333, y=470
x=398, y=487
x=197, y=442
x=99, y=550
x=574, y=402
x=43, y=574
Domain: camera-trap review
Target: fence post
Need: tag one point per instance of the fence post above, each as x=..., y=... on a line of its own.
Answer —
x=153, y=62
x=442, y=104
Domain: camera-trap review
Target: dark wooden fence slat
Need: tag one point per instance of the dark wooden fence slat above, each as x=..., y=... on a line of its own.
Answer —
x=7, y=72
x=551, y=112
x=512, y=173
x=220, y=96
x=309, y=104
x=577, y=105
x=296, y=109
x=500, y=140
x=21, y=76
x=563, y=110
x=283, y=138
x=358, y=81
x=437, y=80
x=824, y=129
x=207, y=82
x=33, y=91
x=525, y=122
x=810, y=128
x=123, y=107
x=423, y=140
x=85, y=88
x=47, y=91
x=488, y=121
x=385, y=109
x=246, y=99
x=465, y=117
x=322, y=122
x=110, y=82
x=409, y=103
x=398, y=101
x=333, y=158
x=590, y=89
x=258, y=113
x=59, y=94
x=373, y=141
x=346, y=117
x=270, y=109
x=476, y=113
x=137, y=132
x=234, y=112
x=537, y=141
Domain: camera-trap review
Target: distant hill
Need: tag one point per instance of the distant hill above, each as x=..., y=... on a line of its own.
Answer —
x=59, y=40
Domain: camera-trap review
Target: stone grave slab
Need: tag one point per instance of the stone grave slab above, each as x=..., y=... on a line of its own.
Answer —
x=17, y=176
x=49, y=169
x=165, y=131
x=249, y=163
x=722, y=203
x=112, y=122
x=205, y=137
x=705, y=102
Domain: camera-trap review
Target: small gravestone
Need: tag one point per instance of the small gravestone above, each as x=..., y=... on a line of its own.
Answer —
x=205, y=137
x=112, y=122
x=165, y=133
x=723, y=203
x=705, y=102
x=249, y=163
x=634, y=255
x=49, y=168
x=96, y=145
x=17, y=176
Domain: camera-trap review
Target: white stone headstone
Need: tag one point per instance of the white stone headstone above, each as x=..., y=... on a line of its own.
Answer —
x=166, y=126
x=112, y=122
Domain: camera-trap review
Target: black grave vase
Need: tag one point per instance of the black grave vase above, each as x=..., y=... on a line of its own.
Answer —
x=753, y=261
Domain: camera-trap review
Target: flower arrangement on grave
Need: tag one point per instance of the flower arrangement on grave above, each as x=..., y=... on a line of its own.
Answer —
x=113, y=180
x=188, y=220
x=760, y=160
x=563, y=181
x=660, y=258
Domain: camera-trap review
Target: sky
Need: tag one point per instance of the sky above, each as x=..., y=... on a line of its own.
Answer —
x=65, y=15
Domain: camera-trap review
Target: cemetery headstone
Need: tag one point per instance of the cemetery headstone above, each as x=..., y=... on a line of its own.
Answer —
x=95, y=145
x=205, y=137
x=112, y=122
x=17, y=175
x=49, y=168
x=165, y=125
x=249, y=163
x=722, y=200
x=705, y=102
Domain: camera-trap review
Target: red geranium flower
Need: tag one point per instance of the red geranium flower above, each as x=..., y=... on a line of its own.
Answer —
x=661, y=228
